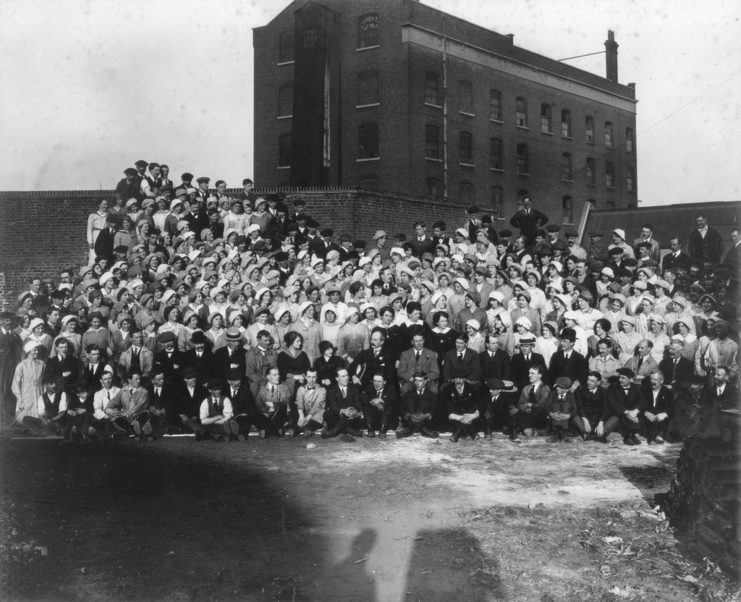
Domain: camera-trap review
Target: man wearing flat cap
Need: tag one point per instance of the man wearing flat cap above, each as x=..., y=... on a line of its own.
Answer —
x=202, y=194
x=561, y=410
x=528, y=220
x=171, y=360
x=461, y=402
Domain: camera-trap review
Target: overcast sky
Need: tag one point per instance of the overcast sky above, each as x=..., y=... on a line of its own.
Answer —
x=90, y=86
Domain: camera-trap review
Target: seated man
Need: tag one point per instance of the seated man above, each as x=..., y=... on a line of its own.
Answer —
x=311, y=398
x=52, y=408
x=462, y=408
x=129, y=410
x=500, y=408
x=258, y=360
x=626, y=402
x=103, y=399
x=659, y=406
x=271, y=406
x=380, y=404
x=243, y=403
x=531, y=408
x=215, y=415
x=79, y=413
x=186, y=403
x=462, y=358
x=343, y=414
x=417, y=409
x=561, y=409
x=590, y=401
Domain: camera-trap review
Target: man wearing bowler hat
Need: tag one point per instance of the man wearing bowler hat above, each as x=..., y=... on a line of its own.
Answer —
x=528, y=220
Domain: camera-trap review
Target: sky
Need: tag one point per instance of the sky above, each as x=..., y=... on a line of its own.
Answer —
x=88, y=87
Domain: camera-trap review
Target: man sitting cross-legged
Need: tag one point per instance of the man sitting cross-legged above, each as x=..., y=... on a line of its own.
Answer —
x=417, y=409
x=343, y=415
x=380, y=405
x=462, y=408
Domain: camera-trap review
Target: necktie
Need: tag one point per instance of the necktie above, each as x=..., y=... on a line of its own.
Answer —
x=417, y=353
x=560, y=398
x=234, y=393
x=460, y=356
x=566, y=356
x=272, y=388
x=532, y=395
x=527, y=358
x=376, y=352
x=640, y=362
x=344, y=392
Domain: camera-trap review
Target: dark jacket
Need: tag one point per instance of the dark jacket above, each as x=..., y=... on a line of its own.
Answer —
x=520, y=367
x=470, y=364
x=590, y=404
x=618, y=402
x=499, y=366
x=575, y=368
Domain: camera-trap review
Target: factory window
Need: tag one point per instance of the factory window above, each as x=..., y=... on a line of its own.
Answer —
x=285, y=46
x=466, y=148
x=432, y=189
x=546, y=125
x=497, y=202
x=466, y=193
x=284, y=150
x=368, y=141
x=523, y=160
x=568, y=210
x=566, y=168
x=495, y=105
x=496, y=160
x=466, y=97
x=629, y=140
x=609, y=174
x=368, y=30
x=368, y=88
x=608, y=135
x=589, y=123
x=521, y=112
x=285, y=100
x=630, y=178
x=566, y=123
x=432, y=142
x=589, y=170
x=432, y=88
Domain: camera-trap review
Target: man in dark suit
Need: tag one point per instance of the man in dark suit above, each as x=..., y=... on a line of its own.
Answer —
x=323, y=244
x=720, y=395
x=462, y=359
x=93, y=369
x=659, y=408
x=524, y=360
x=11, y=354
x=440, y=236
x=418, y=407
x=272, y=403
x=590, y=401
x=626, y=402
x=63, y=365
x=675, y=258
x=461, y=402
x=171, y=360
x=163, y=406
x=528, y=220
x=380, y=406
x=187, y=399
x=243, y=402
x=705, y=244
x=200, y=357
x=421, y=243
x=732, y=259
x=230, y=357
x=344, y=411
x=499, y=404
x=495, y=362
x=258, y=360
x=372, y=361
x=675, y=369
x=417, y=359
x=104, y=241
x=568, y=362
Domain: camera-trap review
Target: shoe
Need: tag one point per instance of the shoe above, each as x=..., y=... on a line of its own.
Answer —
x=402, y=433
x=635, y=440
x=289, y=434
x=566, y=439
x=355, y=432
x=659, y=439
x=454, y=437
x=347, y=438
x=515, y=438
x=628, y=441
x=602, y=439
x=326, y=434
x=381, y=434
x=488, y=435
x=425, y=432
x=371, y=434
x=552, y=439
x=308, y=433
x=93, y=434
x=475, y=436
x=262, y=433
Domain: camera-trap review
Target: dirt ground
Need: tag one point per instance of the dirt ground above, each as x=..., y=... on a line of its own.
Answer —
x=394, y=520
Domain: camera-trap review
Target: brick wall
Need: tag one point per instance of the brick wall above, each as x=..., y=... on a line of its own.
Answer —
x=43, y=232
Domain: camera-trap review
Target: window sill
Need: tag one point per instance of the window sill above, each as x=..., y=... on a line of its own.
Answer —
x=525, y=174
x=590, y=142
x=567, y=181
x=465, y=113
x=462, y=164
x=522, y=127
x=498, y=121
x=284, y=117
x=364, y=48
x=591, y=184
x=284, y=167
x=569, y=138
x=367, y=159
x=496, y=169
x=434, y=159
x=281, y=63
x=546, y=133
x=610, y=187
x=368, y=106
x=432, y=106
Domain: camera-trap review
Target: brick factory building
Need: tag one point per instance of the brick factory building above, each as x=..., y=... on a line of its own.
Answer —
x=396, y=96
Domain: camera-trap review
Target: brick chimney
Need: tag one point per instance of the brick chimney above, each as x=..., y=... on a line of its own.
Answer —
x=611, y=59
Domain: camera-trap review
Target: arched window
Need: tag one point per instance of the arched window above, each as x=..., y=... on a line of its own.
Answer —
x=566, y=168
x=566, y=123
x=521, y=112
x=368, y=141
x=523, y=159
x=368, y=30
x=285, y=100
x=546, y=122
x=630, y=178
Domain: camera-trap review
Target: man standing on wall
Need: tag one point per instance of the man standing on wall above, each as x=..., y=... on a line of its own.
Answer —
x=528, y=220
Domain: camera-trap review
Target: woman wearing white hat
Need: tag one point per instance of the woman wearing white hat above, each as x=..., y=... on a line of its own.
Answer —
x=26, y=384
x=37, y=336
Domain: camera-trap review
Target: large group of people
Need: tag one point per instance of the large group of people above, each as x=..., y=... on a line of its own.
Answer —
x=200, y=312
